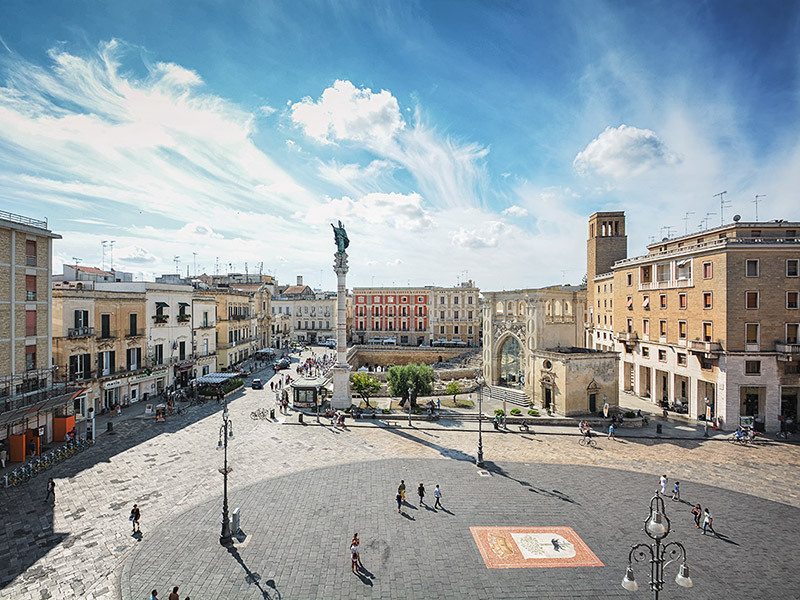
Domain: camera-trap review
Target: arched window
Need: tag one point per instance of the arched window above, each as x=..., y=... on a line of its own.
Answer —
x=510, y=308
x=548, y=309
x=521, y=309
x=557, y=308
x=498, y=309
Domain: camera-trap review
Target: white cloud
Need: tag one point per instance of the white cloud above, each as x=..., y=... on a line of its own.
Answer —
x=488, y=237
x=399, y=211
x=267, y=110
x=624, y=152
x=354, y=178
x=394, y=263
x=515, y=211
x=135, y=255
x=346, y=113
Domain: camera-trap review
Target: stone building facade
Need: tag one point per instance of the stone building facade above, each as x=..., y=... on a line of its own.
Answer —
x=302, y=315
x=705, y=320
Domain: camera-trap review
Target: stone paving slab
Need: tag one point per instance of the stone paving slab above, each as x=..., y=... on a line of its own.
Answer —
x=299, y=526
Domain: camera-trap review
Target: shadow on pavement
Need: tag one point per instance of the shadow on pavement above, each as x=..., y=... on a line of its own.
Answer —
x=253, y=578
x=498, y=470
x=447, y=452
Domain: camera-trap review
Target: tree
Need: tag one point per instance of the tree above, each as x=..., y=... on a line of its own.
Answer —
x=419, y=378
x=365, y=385
x=453, y=388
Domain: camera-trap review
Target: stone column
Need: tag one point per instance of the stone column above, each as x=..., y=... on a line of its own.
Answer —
x=341, y=371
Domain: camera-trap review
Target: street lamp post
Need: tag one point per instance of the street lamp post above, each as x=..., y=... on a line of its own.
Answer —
x=656, y=526
x=225, y=432
x=706, y=418
x=505, y=394
x=479, y=380
x=410, y=391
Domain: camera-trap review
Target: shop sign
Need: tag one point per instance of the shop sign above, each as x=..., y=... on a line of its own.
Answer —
x=110, y=385
x=142, y=377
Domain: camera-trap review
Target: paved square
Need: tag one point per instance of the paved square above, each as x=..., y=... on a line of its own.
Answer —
x=526, y=547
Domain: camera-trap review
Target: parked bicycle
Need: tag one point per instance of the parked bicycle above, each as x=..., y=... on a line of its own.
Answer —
x=260, y=414
x=587, y=440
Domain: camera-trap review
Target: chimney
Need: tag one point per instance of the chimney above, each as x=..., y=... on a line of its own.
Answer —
x=299, y=280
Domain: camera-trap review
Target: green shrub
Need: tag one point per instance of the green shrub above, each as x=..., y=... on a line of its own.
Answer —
x=417, y=411
x=533, y=413
x=629, y=414
x=499, y=412
x=386, y=411
x=516, y=411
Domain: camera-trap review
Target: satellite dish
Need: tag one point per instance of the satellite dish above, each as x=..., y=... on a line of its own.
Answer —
x=666, y=239
x=737, y=218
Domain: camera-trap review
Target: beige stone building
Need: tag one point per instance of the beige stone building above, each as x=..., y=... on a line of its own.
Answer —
x=456, y=315
x=30, y=396
x=708, y=316
x=532, y=351
x=302, y=315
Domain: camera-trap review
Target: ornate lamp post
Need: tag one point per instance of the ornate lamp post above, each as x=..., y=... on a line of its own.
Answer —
x=225, y=432
x=505, y=395
x=410, y=391
x=656, y=526
x=479, y=380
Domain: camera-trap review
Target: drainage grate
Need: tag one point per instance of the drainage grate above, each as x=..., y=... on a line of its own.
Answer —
x=484, y=473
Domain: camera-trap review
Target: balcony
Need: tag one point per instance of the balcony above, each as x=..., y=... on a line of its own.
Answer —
x=784, y=348
x=160, y=319
x=133, y=333
x=107, y=335
x=666, y=285
x=705, y=347
x=206, y=325
x=627, y=337
x=79, y=332
x=184, y=318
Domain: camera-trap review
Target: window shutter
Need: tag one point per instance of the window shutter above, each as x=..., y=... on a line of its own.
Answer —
x=73, y=367
x=111, y=355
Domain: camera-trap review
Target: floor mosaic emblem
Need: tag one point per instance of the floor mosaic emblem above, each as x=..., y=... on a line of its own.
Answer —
x=526, y=547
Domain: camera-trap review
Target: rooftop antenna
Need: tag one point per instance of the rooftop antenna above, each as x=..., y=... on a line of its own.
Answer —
x=104, y=242
x=261, y=269
x=563, y=275
x=666, y=231
x=686, y=222
x=723, y=204
x=708, y=216
x=246, y=276
x=194, y=257
x=111, y=243
x=216, y=266
x=756, y=201
x=177, y=261
x=76, y=260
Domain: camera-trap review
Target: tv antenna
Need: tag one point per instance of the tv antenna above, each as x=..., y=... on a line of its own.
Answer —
x=177, y=260
x=756, y=201
x=76, y=260
x=104, y=242
x=667, y=229
x=216, y=265
x=723, y=204
x=111, y=252
x=194, y=257
x=708, y=216
x=686, y=222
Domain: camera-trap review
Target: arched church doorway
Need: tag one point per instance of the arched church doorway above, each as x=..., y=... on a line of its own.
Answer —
x=511, y=373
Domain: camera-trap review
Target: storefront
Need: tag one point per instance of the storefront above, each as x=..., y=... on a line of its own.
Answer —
x=143, y=387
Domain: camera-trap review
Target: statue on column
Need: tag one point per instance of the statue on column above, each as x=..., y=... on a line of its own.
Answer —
x=340, y=237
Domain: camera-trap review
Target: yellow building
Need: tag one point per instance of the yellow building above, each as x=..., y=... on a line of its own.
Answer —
x=709, y=318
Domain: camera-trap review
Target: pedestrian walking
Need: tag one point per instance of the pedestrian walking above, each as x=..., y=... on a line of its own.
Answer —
x=174, y=594
x=353, y=557
x=421, y=493
x=357, y=542
x=437, y=493
x=399, y=499
x=611, y=432
x=51, y=490
x=663, y=481
x=3, y=457
x=134, y=518
x=708, y=521
x=697, y=513
x=154, y=595
x=401, y=489
x=676, y=491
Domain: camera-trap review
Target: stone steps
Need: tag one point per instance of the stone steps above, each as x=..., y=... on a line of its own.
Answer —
x=516, y=397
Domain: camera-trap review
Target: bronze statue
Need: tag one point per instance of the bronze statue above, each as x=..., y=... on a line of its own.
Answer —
x=340, y=236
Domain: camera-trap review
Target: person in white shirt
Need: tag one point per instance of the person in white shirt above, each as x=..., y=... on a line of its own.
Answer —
x=437, y=493
x=664, y=485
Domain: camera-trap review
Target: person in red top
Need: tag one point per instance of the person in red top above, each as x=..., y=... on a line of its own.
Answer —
x=174, y=594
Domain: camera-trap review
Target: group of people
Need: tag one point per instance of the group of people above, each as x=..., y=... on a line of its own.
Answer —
x=172, y=596
x=400, y=497
x=701, y=515
x=283, y=380
x=584, y=428
x=314, y=366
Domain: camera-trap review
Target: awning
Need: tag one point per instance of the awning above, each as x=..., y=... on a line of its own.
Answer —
x=57, y=398
x=161, y=305
x=629, y=303
x=645, y=301
x=215, y=378
x=183, y=304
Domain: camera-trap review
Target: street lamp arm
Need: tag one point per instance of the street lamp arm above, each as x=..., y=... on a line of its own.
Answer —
x=638, y=554
x=673, y=551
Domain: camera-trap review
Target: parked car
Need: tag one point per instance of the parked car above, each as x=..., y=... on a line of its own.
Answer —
x=283, y=363
x=257, y=384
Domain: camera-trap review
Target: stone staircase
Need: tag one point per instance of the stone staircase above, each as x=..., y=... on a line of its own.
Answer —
x=516, y=397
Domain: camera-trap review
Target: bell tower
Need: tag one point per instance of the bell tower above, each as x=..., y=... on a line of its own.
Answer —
x=607, y=243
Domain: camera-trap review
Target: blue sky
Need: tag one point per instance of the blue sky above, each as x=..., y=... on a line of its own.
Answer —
x=454, y=139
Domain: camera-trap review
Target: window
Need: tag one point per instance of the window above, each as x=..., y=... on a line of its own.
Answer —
x=133, y=358
x=751, y=300
x=629, y=278
x=158, y=354
x=662, y=356
x=645, y=326
x=80, y=366
x=455, y=300
x=469, y=330
x=662, y=300
x=751, y=267
x=751, y=333
x=752, y=367
x=707, y=300
x=30, y=322
x=469, y=300
x=629, y=302
x=630, y=324
x=455, y=314
x=132, y=330
x=30, y=253
x=30, y=358
x=30, y=288
x=441, y=299
x=646, y=302
x=707, y=331
x=455, y=329
x=662, y=328
x=682, y=330
x=682, y=359
x=793, y=267
x=792, y=332
x=469, y=314
x=791, y=299
x=645, y=352
x=181, y=350
x=708, y=270
x=441, y=329
x=682, y=301
x=105, y=326
x=105, y=363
